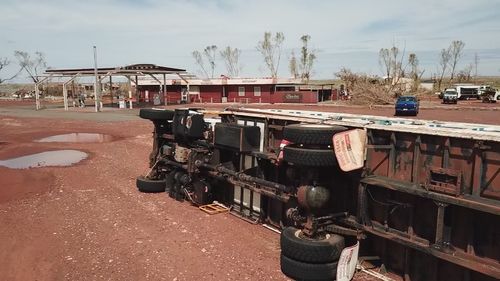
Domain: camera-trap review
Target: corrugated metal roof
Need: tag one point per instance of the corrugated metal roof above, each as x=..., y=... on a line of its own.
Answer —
x=143, y=68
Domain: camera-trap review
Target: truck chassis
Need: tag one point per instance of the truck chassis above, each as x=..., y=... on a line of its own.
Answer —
x=426, y=201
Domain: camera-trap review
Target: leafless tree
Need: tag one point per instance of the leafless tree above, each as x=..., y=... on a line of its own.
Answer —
x=456, y=50
x=395, y=64
x=444, y=60
x=413, y=62
x=4, y=62
x=384, y=60
x=231, y=57
x=32, y=66
x=292, y=66
x=210, y=53
x=307, y=58
x=392, y=63
x=415, y=72
x=199, y=61
x=465, y=75
x=270, y=48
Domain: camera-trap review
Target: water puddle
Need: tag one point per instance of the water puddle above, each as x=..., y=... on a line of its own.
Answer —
x=78, y=137
x=45, y=159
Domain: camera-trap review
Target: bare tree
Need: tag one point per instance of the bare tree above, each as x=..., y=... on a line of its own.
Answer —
x=231, y=58
x=413, y=62
x=384, y=60
x=395, y=65
x=210, y=53
x=456, y=50
x=307, y=58
x=444, y=60
x=199, y=61
x=270, y=48
x=4, y=62
x=32, y=66
x=465, y=75
x=392, y=63
x=293, y=67
x=415, y=72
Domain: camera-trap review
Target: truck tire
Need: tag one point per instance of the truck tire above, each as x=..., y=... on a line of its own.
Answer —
x=310, y=157
x=316, y=134
x=308, y=271
x=299, y=248
x=150, y=185
x=156, y=114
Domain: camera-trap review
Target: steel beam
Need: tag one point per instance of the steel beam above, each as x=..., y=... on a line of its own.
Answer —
x=467, y=201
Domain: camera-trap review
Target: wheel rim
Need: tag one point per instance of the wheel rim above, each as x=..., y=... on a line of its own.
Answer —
x=299, y=234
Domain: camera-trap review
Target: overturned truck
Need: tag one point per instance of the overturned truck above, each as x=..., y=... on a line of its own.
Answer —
x=423, y=196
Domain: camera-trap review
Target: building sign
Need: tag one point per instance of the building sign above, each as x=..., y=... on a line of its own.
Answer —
x=292, y=97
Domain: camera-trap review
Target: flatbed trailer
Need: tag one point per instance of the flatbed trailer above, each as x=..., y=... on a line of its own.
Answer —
x=425, y=199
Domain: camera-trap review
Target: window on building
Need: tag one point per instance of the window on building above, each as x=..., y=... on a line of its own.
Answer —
x=241, y=91
x=256, y=91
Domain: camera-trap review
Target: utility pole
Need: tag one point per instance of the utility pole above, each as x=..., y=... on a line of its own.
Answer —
x=97, y=88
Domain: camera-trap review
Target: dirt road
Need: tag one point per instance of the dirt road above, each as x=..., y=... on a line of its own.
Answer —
x=88, y=222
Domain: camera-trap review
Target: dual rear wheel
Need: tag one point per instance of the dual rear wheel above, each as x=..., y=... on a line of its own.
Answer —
x=304, y=258
x=312, y=144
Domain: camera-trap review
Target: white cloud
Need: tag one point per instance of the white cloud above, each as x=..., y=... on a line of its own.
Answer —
x=166, y=32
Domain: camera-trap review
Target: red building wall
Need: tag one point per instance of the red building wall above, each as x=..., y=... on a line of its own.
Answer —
x=232, y=92
x=217, y=93
x=211, y=93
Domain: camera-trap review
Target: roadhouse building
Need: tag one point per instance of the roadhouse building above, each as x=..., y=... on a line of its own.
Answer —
x=241, y=90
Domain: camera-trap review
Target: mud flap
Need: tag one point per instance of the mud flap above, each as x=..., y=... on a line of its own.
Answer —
x=347, y=263
x=350, y=149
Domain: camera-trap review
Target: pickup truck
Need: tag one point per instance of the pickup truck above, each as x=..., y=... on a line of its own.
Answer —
x=406, y=105
x=450, y=96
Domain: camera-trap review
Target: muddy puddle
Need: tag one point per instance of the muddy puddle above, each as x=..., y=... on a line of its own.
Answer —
x=78, y=137
x=45, y=159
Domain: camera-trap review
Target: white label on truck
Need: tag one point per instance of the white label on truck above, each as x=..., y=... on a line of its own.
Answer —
x=347, y=263
x=350, y=149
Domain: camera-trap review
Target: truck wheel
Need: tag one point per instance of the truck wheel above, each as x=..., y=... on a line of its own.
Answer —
x=308, y=271
x=150, y=185
x=156, y=114
x=310, y=157
x=296, y=246
x=311, y=133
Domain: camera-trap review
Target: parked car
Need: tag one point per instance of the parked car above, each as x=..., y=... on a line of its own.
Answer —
x=450, y=96
x=407, y=105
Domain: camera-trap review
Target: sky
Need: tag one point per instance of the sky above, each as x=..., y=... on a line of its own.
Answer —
x=166, y=32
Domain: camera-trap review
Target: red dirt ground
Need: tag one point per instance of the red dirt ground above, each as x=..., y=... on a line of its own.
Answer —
x=88, y=222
